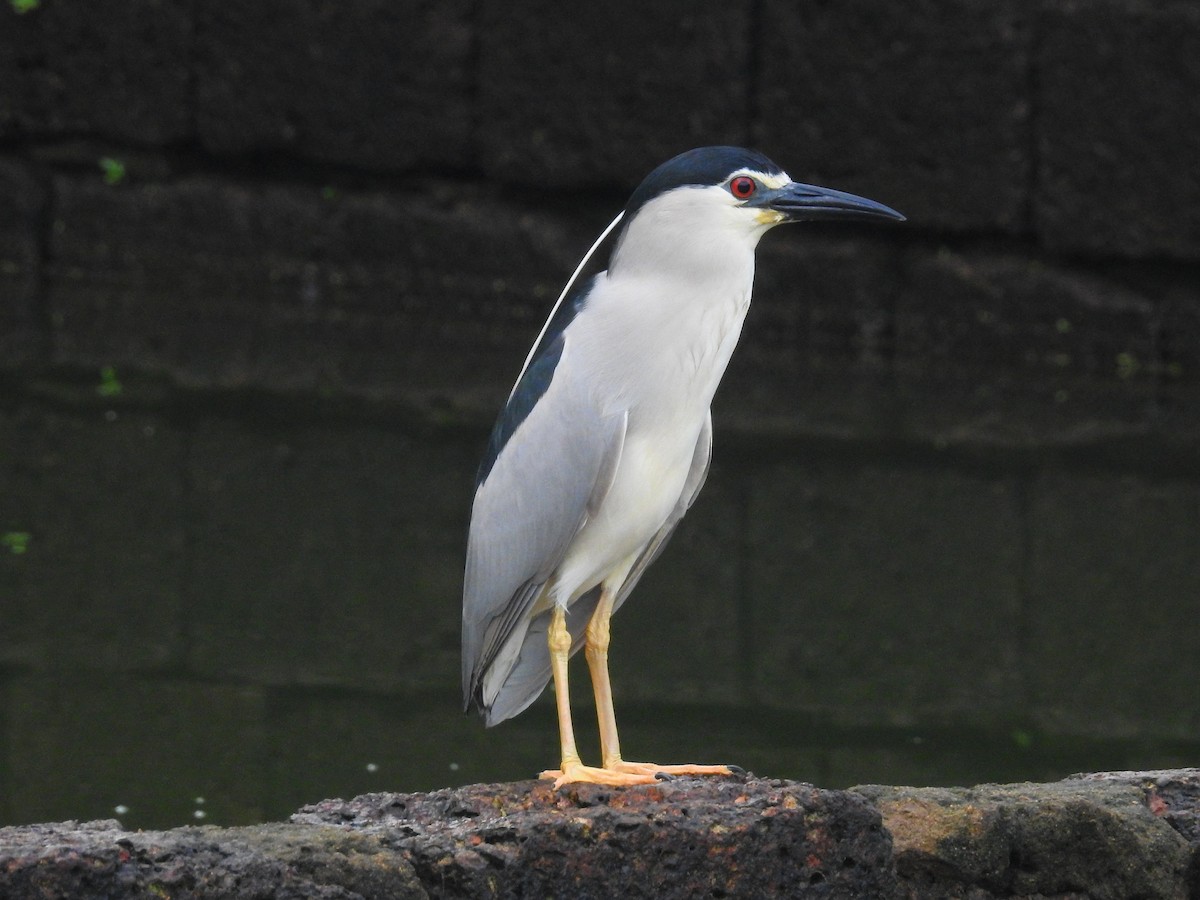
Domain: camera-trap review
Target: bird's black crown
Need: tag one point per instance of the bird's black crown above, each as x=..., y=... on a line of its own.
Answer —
x=703, y=166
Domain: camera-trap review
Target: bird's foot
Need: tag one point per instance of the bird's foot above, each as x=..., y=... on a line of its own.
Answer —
x=656, y=770
x=622, y=774
x=574, y=773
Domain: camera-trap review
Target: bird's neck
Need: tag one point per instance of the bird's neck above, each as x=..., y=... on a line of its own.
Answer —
x=662, y=340
x=672, y=243
x=663, y=320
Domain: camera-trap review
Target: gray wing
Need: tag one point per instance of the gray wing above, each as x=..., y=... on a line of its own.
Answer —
x=531, y=672
x=553, y=469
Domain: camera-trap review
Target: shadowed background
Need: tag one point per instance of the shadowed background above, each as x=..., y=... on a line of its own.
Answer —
x=267, y=272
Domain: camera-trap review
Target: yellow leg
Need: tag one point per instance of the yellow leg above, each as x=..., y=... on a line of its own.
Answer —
x=560, y=652
x=572, y=769
x=596, y=649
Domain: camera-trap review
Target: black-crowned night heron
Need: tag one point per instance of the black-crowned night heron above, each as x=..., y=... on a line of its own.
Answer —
x=606, y=437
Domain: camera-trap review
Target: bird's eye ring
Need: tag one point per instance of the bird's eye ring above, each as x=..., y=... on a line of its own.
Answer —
x=743, y=187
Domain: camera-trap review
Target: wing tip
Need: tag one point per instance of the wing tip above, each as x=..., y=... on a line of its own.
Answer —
x=473, y=703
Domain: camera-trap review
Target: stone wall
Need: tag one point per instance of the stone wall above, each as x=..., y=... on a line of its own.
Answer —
x=267, y=270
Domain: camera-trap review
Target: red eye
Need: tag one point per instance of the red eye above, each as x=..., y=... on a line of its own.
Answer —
x=743, y=186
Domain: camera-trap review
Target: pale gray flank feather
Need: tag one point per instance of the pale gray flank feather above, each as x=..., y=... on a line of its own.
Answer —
x=531, y=671
x=527, y=511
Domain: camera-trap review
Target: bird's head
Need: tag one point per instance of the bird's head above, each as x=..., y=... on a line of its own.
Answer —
x=731, y=192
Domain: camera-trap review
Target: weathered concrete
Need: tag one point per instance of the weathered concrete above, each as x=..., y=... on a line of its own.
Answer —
x=21, y=334
x=610, y=91
x=1112, y=835
x=377, y=293
x=294, y=289
x=998, y=348
x=1112, y=184
x=970, y=116
x=348, y=83
x=888, y=102
x=816, y=351
x=76, y=70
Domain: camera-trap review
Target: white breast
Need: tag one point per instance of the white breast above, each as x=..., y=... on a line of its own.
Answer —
x=654, y=340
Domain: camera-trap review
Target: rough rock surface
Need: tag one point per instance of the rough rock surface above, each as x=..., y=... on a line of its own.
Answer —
x=739, y=836
x=1108, y=835
x=722, y=837
x=102, y=860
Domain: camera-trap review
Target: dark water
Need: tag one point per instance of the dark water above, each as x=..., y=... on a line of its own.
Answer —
x=160, y=754
x=210, y=618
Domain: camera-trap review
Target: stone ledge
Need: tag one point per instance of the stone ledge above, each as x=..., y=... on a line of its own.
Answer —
x=1110, y=834
x=1106, y=835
